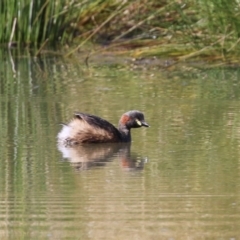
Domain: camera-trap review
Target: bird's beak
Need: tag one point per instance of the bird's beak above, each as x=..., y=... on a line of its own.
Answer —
x=145, y=124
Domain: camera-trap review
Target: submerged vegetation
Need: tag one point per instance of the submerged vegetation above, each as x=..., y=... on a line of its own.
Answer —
x=181, y=29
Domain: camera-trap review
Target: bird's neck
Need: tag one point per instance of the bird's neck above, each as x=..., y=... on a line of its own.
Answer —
x=125, y=133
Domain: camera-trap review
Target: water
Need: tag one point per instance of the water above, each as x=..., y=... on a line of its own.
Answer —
x=178, y=179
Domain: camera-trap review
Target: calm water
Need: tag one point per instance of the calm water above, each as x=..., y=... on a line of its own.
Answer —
x=179, y=179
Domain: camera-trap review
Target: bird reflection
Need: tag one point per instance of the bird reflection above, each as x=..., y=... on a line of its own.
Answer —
x=83, y=157
x=130, y=161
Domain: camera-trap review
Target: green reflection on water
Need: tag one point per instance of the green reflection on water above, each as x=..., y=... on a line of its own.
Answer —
x=188, y=187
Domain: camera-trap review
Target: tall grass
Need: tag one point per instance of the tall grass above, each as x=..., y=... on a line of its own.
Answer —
x=190, y=27
x=214, y=27
x=35, y=23
x=31, y=22
x=167, y=27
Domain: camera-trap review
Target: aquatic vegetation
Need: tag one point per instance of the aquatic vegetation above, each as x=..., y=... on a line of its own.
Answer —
x=34, y=23
x=176, y=28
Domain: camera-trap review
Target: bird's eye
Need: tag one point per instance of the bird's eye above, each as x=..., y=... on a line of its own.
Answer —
x=138, y=122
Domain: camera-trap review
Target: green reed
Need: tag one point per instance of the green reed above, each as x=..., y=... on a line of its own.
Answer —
x=35, y=23
x=30, y=22
x=189, y=28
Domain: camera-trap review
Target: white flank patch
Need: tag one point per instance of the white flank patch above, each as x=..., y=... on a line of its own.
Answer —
x=64, y=133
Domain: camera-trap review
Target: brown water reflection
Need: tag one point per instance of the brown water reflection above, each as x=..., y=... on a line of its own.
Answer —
x=86, y=156
x=188, y=189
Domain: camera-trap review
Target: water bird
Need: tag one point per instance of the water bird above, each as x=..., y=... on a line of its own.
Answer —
x=86, y=128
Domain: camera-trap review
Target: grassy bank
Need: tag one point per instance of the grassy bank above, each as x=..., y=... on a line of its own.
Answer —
x=179, y=29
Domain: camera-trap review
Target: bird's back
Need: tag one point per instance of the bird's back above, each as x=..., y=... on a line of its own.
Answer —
x=85, y=128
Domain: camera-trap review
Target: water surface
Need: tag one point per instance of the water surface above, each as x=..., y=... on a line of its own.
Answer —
x=178, y=179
